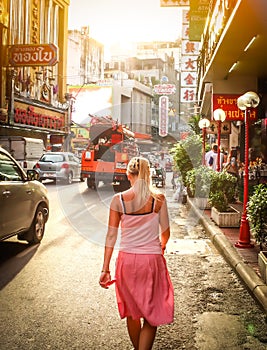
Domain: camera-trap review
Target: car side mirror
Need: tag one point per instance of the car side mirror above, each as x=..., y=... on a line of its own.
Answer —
x=32, y=174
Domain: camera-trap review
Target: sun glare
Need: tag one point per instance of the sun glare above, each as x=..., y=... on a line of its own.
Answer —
x=127, y=23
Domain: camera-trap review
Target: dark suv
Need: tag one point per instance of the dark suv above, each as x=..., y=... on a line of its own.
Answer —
x=24, y=205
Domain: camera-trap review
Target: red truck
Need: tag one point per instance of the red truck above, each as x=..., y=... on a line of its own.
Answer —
x=110, y=148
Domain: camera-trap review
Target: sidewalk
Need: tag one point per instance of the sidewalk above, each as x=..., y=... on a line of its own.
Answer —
x=244, y=261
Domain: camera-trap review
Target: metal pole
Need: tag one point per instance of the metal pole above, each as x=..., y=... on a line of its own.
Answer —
x=13, y=75
x=204, y=145
x=244, y=233
x=219, y=146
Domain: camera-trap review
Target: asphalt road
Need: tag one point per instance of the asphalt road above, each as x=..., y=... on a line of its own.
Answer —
x=50, y=297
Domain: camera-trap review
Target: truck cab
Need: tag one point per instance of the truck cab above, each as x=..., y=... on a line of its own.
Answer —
x=110, y=148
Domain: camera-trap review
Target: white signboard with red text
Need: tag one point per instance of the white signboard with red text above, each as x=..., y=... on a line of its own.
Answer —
x=189, y=56
x=164, y=89
x=163, y=115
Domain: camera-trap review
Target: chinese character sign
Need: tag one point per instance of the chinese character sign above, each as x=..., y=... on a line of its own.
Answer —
x=163, y=115
x=189, y=51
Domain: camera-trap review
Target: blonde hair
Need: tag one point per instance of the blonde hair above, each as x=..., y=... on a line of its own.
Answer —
x=139, y=166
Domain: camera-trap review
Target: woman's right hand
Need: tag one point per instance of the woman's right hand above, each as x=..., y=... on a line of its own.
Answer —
x=104, y=279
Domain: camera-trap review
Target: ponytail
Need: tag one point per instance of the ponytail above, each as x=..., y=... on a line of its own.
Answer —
x=140, y=167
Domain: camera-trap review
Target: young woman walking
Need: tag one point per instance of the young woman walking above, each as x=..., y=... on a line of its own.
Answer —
x=143, y=287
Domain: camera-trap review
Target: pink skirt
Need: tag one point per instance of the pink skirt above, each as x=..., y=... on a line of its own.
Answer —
x=144, y=288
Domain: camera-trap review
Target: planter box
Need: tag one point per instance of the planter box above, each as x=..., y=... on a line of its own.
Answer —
x=226, y=219
x=202, y=203
x=262, y=260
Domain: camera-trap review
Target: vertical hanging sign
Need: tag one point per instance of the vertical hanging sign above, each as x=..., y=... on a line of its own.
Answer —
x=163, y=115
x=189, y=57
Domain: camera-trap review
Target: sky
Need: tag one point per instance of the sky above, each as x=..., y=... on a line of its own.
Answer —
x=124, y=21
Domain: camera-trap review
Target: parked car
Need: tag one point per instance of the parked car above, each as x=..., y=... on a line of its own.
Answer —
x=24, y=205
x=59, y=166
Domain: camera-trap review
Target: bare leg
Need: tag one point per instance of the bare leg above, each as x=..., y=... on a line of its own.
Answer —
x=147, y=336
x=134, y=329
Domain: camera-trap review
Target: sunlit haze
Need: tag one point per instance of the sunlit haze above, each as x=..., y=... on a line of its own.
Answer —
x=124, y=22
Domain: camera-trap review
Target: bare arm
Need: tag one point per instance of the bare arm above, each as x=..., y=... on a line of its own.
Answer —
x=111, y=238
x=164, y=225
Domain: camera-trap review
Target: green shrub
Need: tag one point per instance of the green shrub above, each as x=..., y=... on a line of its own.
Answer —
x=198, y=181
x=257, y=213
x=222, y=190
x=187, y=154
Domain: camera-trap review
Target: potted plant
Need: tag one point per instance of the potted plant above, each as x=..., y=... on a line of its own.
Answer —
x=222, y=194
x=198, y=181
x=257, y=217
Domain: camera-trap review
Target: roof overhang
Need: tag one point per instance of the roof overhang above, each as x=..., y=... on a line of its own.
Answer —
x=248, y=20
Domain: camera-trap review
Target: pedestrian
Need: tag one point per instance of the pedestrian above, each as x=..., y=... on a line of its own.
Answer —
x=225, y=157
x=209, y=157
x=143, y=287
x=162, y=161
x=212, y=160
x=232, y=165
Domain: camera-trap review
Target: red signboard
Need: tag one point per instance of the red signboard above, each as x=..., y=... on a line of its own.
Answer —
x=228, y=103
x=38, y=117
x=33, y=55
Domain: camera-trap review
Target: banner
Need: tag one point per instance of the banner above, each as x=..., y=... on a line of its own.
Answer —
x=163, y=116
x=197, y=18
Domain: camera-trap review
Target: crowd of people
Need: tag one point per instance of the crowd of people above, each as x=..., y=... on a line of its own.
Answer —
x=230, y=162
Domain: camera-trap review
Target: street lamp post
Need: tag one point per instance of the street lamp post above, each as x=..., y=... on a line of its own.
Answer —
x=245, y=102
x=13, y=75
x=219, y=116
x=204, y=123
x=70, y=99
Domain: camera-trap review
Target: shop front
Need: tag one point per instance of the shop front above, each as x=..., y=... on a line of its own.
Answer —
x=36, y=120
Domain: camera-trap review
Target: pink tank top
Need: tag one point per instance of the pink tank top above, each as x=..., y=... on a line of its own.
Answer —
x=140, y=232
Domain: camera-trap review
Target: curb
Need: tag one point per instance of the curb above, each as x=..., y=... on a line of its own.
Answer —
x=245, y=272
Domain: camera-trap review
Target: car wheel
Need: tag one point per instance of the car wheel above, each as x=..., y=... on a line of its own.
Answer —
x=36, y=231
x=69, y=178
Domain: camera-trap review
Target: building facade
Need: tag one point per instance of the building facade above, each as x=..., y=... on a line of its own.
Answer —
x=153, y=64
x=232, y=61
x=90, y=81
x=85, y=58
x=33, y=43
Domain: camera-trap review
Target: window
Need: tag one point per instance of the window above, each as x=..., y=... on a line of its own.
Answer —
x=9, y=171
x=53, y=158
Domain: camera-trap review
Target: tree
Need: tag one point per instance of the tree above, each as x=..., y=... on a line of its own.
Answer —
x=193, y=123
x=187, y=154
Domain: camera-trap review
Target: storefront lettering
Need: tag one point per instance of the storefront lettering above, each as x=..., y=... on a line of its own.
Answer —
x=39, y=56
x=30, y=117
x=33, y=55
x=228, y=102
